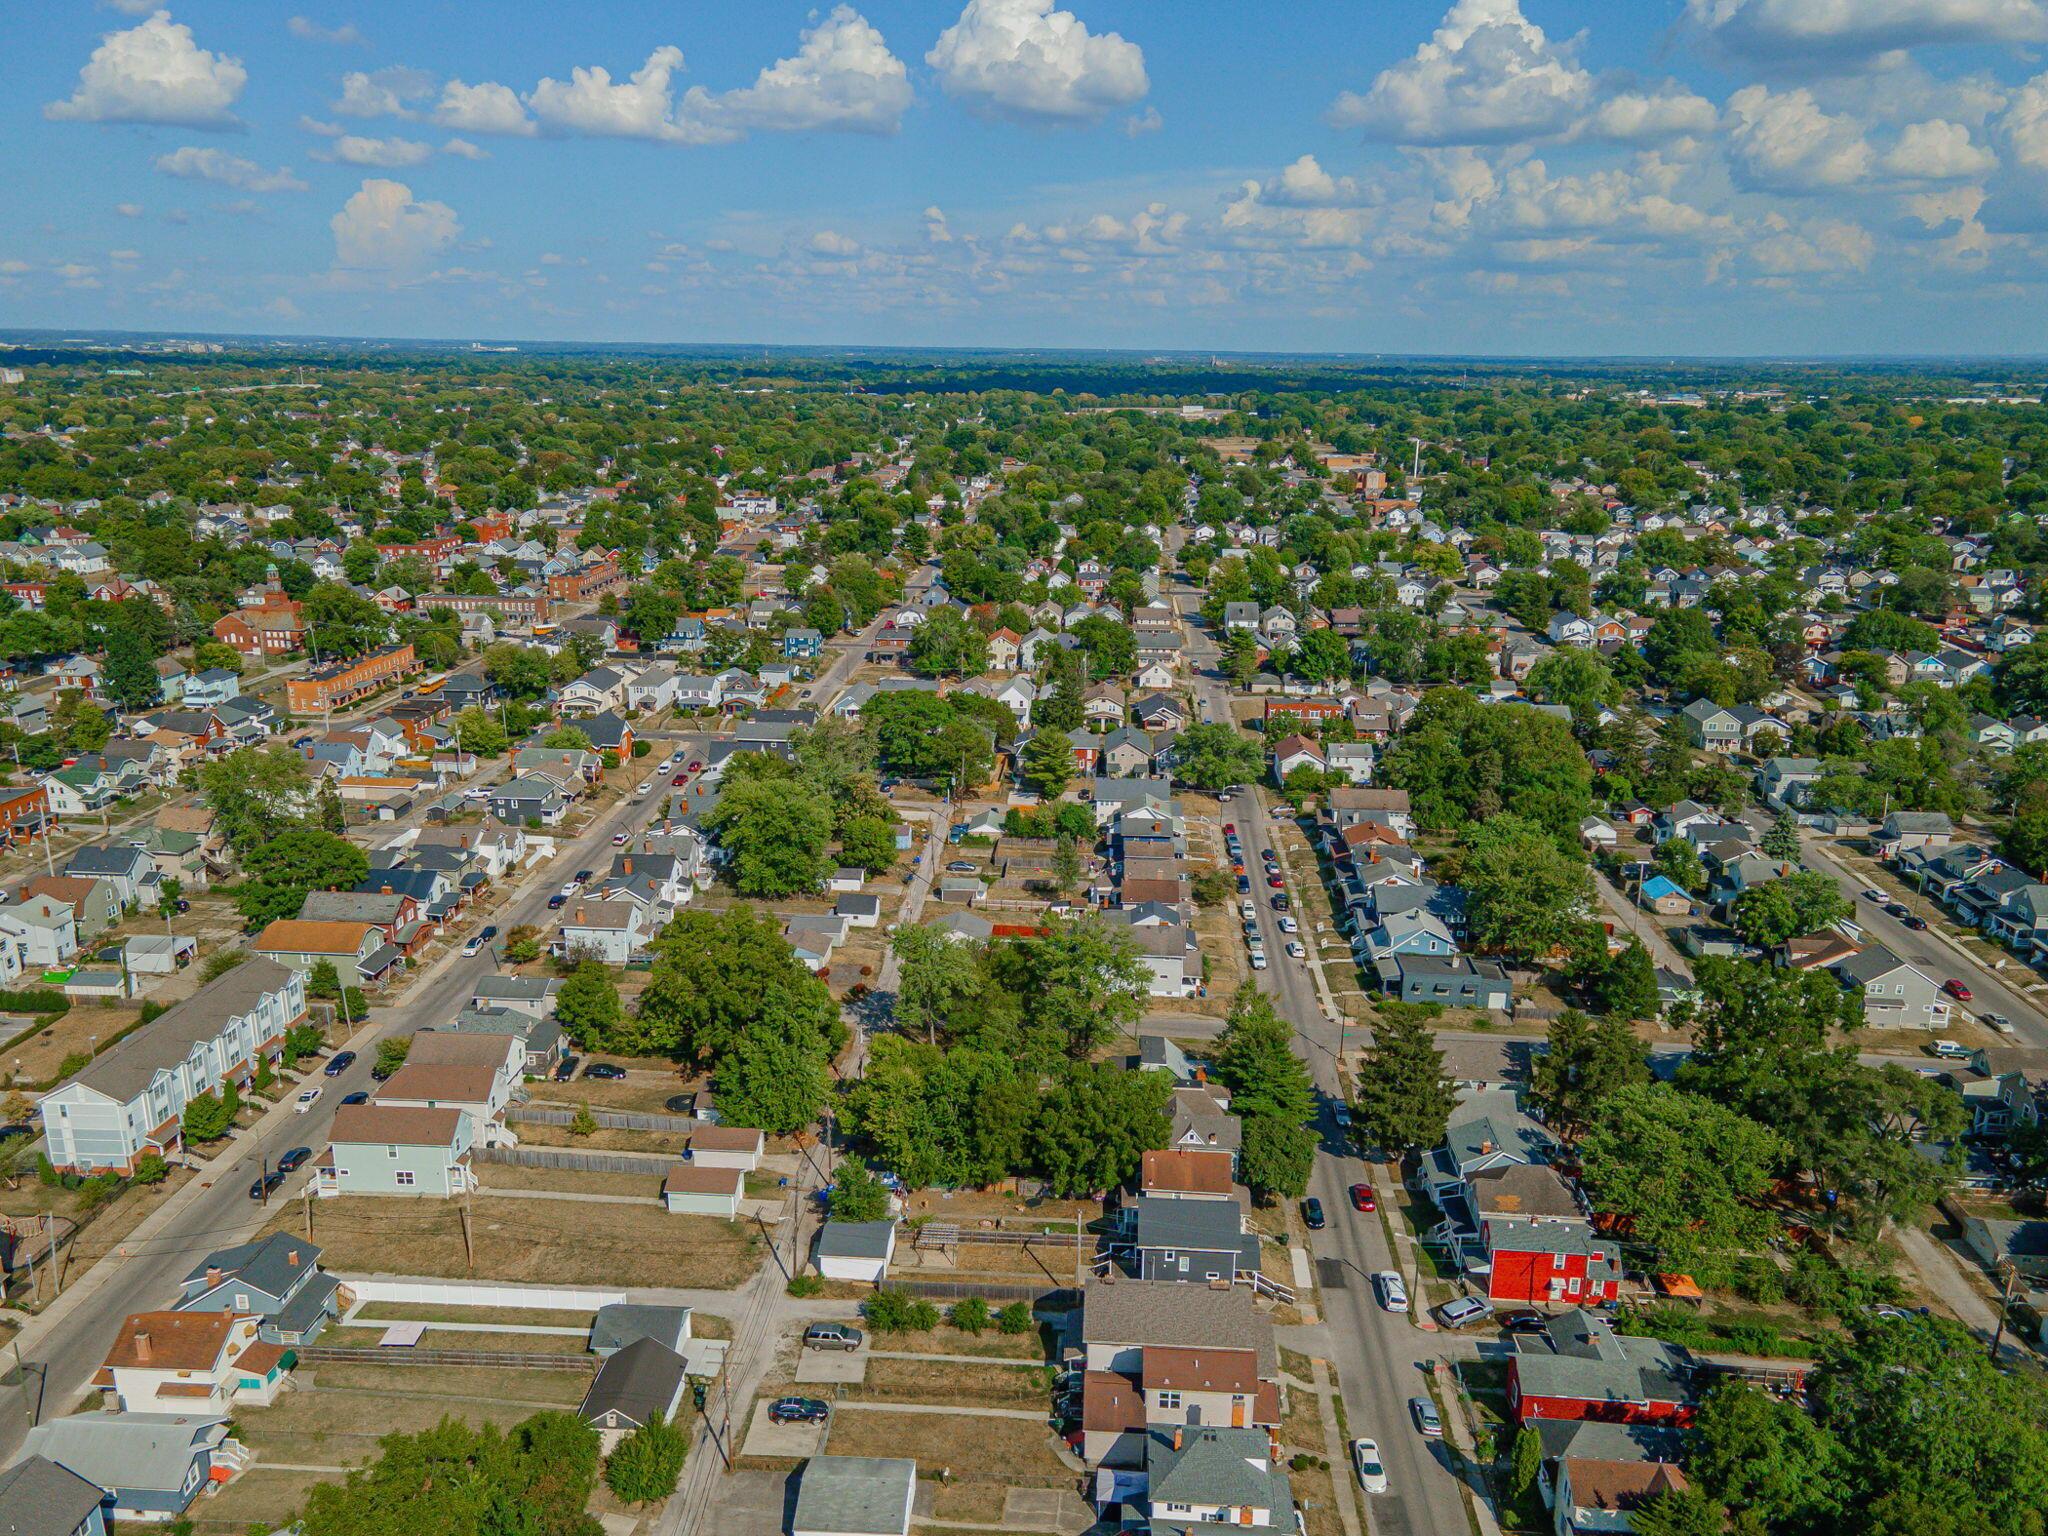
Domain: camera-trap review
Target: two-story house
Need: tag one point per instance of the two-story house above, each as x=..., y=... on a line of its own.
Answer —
x=191, y=1362
x=276, y=1279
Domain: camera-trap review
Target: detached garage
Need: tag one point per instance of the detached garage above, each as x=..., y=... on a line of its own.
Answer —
x=856, y=1250
x=690, y=1191
x=726, y=1146
x=855, y=1496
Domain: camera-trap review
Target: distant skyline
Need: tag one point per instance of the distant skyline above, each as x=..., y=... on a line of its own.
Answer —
x=1503, y=177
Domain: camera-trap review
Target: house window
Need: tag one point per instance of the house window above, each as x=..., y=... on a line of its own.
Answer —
x=1557, y=1261
x=403, y=1177
x=1169, y=1401
x=241, y=1302
x=1166, y=1257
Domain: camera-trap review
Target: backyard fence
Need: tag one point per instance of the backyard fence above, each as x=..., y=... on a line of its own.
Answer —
x=650, y=1163
x=495, y=1359
x=609, y=1119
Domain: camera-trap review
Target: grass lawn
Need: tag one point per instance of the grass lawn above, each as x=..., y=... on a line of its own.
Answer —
x=534, y=1389
x=951, y=1341
x=660, y=1143
x=558, y=1242
x=324, y=1424
x=646, y=1092
x=574, y=1181
x=444, y=1338
x=260, y=1499
x=432, y=1312
x=952, y=1384
x=1008, y=1452
x=86, y=1027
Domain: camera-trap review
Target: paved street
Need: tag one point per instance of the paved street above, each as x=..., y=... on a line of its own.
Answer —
x=1381, y=1360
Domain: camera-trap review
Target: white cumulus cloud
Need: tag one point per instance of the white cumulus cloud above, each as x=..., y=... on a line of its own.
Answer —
x=1488, y=75
x=841, y=76
x=1775, y=32
x=464, y=150
x=388, y=92
x=486, y=107
x=1938, y=151
x=1783, y=141
x=195, y=163
x=590, y=101
x=347, y=35
x=383, y=227
x=1633, y=117
x=830, y=243
x=355, y=149
x=1022, y=59
x=154, y=73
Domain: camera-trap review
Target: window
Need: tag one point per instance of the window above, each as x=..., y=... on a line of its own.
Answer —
x=1166, y=1257
x=391, y=1151
x=241, y=1301
x=403, y=1177
x=1557, y=1261
x=1169, y=1401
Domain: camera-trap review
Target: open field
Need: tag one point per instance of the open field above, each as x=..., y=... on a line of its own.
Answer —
x=573, y=1181
x=557, y=1242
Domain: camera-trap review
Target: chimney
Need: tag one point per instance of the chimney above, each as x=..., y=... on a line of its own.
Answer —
x=143, y=1353
x=213, y=1276
x=1176, y=1437
x=385, y=891
x=628, y=865
x=1485, y=1148
x=581, y=912
x=291, y=1258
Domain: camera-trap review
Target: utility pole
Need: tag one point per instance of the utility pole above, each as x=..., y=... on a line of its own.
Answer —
x=2004, y=1309
x=468, y=1247
x=307, y=1201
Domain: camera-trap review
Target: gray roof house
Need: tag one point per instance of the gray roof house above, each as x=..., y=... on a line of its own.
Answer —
x=534, y=995
x=151, y=1464
x=1208, y=1476
x=1456, y=981
x=1896, y=995
x=1194, y=1240
x=635, y=1383
x=626, y=1322
x=40, y=1498
x=1580, y=1360
x=276, y=1278
x=855, y=1496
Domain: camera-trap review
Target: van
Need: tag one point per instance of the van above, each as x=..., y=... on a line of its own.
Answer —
x=1464, y=1310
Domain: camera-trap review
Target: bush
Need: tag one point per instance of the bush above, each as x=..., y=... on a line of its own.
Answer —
x=76, y=1062
x=220, y=962
x=648, y=1462
x=1759, y=1281
x=584, y=1123
x=642, y=748
x=1015, y=1318
x=805, y=1285
x=97, y=1191
x=970, y=1315
x=894, y=1312
x=33, y=1000
x=46, y=1172
x=150, y=1168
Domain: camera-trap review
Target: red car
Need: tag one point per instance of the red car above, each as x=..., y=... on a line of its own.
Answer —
x=1956, y=990
x=1275, y=881
x=1361, y=1198
x=680, y=779
x=1230, y=829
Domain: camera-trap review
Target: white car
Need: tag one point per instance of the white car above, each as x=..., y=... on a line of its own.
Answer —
x=474, y=947
x=1258, y=959
x=571, y=887
x=646, y=787
x=1295, y=951
x=1393, y=1294
x=1289, y=925
x=1372, y=1472
x=306, y=1100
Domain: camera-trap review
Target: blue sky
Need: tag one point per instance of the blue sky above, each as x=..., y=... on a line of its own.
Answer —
x=1501, y=176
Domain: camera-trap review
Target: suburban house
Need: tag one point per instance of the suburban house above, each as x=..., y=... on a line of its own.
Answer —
x=1578, y=1367
x=39, y=932
x=502, y=1056
x=1598, y=1494
x=1199, y=1479
x=132, y=1098
x=182, y=1362
x=1199, y=1118
x=1455, y=981
x=40, y=1498
x=1896, y=995
x=303, y=944
x=615, y=931
x=633, y=1385
x=275, y=1279
x=1200, y=1241
x=380, y=1149
x=152, y=1465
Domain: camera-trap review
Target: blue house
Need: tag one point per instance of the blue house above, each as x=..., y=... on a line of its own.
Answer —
x=1663, y=895
x=211, y=688
x=802, y=644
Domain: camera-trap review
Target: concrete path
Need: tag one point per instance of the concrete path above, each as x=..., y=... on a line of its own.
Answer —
x=538, y=1330
x=1335, y=1451
x=1943, y=1273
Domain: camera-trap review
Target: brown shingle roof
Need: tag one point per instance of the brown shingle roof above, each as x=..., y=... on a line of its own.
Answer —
x=1110, y=1402
x=1619, y=1485
x=172, y=1341
x=291, y=936
x=1200, y=1370
x=425, y=1080
x=369, y=1124
x=1191, y=1170
x=724, y=1138
x=684, y=1179
x=447, y=1048
x=1168, y=1313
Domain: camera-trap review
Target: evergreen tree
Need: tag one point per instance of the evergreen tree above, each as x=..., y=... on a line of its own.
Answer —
x=1049, y=762
x=1626, y=987
x=1404, y=1097
x=1782, y=841
x=645, y=1465
x=1585, y=1062
x=1271, y=1092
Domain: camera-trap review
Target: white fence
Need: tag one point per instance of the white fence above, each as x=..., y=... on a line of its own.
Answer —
x=480, y=1293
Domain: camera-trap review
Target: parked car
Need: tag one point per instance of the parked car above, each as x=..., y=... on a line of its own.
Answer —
x=1426, y=1418
x=604, y=1071
x=358, y=1097
x=679, y=780
x=1873, y=894
x=574, y=885
x=831, y=1336
x=1365, y=1460
x=293, y=1158
x=1897, y=908
x=1259, y=962
x=1956, y=990
x=1950, y=1050
x=1524, y=1322
x=1295, y=951
x=695, y=764
x=1393, y=1294
x=960, y=867
x=1275, y=881
x=1312, y=1214
x=1363, y=1199
x=306, y=1100
x=265, y=1185
x=1463, y=1310
x=1999, y=1022
x=1281, y=902
x=1244, y=885
x=1230, y=829
x=566, y=1069
x=557, y=902
x=1289, y=925
x=474, y=947
x=339, y=1063
x=798, y=1410
x=620, y=839
x=1917, y=924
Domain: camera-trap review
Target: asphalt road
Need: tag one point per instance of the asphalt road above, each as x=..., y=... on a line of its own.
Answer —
x=1381, y=1360
x=73, y=1346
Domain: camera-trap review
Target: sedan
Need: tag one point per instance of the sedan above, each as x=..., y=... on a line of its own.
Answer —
x=1365, y=1460
x=1524, y=1322
x=1426, y=1418
x=1393, y=1294
x=1312, y=1214
x=358, y=1097
x=620, y=839
x=572, y=887
x=679, y=781
x=1917, y=924
x=1295, y=951
x=293, y=1158
x=604, y=1071
x=959, y=867
x=474, y=947
x=1281, y=902
x=1275, y=882
x=1363, y=1199
x=1289, y=925
x=1230, y=829
x=1875, y=895
x=1956, y=990
x=339, y=1063
x=265, y=1185
x=1897, y=908
x=1243, y=885
x=695, y=764
x=566, y=1068
x=798, y=1410
x=557, y=902
x=306, y=1100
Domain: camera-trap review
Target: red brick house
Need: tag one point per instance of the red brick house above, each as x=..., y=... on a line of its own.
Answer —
x=275, y=629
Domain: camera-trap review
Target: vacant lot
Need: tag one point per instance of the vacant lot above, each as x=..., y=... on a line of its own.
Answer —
x=557, y=1242
x=573, y=1181
x=353, y=1337
x=951, y=1341
x=952, y=1384
x=1006, y=1452
x=260, y=1499
x=434, y=1312
x=87, y=1027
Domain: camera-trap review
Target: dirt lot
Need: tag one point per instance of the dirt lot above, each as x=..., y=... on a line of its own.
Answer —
x=560, y=1242
x=443, y=1338
x=432, y=1312
x=1003, y=1452
x=260, y=1500
x=88, y=1026
x=601, y=1140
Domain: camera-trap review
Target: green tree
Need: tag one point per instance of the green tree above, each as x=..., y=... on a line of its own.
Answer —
x=391, y=1053
x=1525, y=896
x=1766, y=1459
x=1404, y=1096
x=1577, y=679
x=857, y=1195
x=1083, y=983
x=1678, y=1512
x=869, y=843
x=289, y=865
x=1626, y=987
x=646, y=1465
x=478, y=730
x=1782, y=909
x=206, y=1118
x=776, y=1077
x=1049, y=762
x=1527, y=1462
x=1782, y=841
x=946, y=645
x=1215, y=757
x=130, y=673
x=323, y=980
x=256, y=793
x=1095, y=1124
x=1584, y=1064
x=1685, y=1172
x=715, y=976
x=588, y=1004
x=460, y=1480
x=776, y=834
x=935, y=975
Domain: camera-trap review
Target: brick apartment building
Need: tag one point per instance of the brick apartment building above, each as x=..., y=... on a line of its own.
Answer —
x=588, y=584
x=24, y=813
x=275, y=629
x=343, y=682
x=532, y=608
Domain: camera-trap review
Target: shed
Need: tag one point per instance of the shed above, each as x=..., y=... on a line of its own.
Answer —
x=855, y=1496
x=856, y=1250
x=726, y=1146
x=703, y=1191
